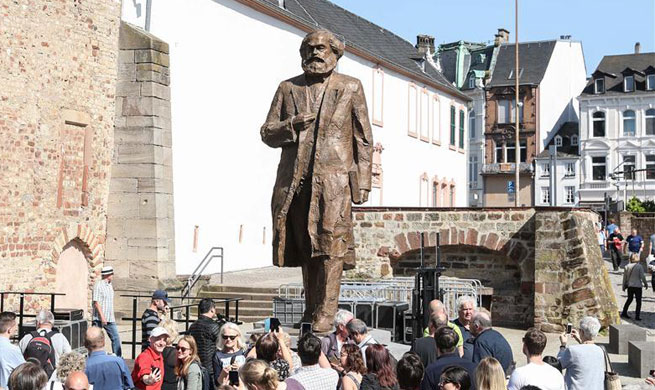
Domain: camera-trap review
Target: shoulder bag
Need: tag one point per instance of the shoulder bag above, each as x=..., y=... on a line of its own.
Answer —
x=612, y=380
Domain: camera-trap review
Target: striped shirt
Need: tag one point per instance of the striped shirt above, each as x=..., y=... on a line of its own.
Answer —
x=149, y=321
x=103, y=293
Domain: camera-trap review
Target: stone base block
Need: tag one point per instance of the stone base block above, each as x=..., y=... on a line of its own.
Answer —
x=641, y=355
x=622, y=334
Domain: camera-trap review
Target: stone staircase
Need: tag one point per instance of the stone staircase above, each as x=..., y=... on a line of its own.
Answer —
x=256, y=303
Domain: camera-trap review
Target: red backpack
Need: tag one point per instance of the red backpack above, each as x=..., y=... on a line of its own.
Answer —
x=41, y=349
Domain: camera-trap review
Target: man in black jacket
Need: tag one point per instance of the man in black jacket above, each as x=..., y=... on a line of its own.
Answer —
x=205, y=331
x=447, y=356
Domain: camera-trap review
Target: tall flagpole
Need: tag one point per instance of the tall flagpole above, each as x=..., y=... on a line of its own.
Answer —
x=517, y=145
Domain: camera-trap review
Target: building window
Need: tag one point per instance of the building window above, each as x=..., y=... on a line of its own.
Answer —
x=558, y=141
x=570, y=170
x=545, y=195
x=425, y=116
x=499, y=153
x=650, y=121
x=378, y=96
x=628, y=84
x=650, y=82
x=461, y=128
x=435, y=193
x=570, y=194
x=506, y=111
x=629, y=123
x=598, y=168
x=453, y=125
x=452, y=195
x=545, y=170
x=574, y=140
x=412, y=110
x=472, y=81
x=598, y=121
x=650, y=167
x=423, y=190
x=511, y=152
x=473, y=171
x=472, y=124
x=628, y=167
x=599, y=85
x=436, y=116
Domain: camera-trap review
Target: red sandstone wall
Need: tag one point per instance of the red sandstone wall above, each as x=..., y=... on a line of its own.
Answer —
x=58, y=80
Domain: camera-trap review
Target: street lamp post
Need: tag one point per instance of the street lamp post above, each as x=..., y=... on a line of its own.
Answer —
x=517, y=144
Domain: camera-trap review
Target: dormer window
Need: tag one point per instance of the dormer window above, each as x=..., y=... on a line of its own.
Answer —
x=629, y=84
x=472, y=81
x=599, y=86
x=558, y=141
x=574, y=140
x=650, y=82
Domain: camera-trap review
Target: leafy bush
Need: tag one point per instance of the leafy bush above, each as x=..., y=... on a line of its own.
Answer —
x=635, y=206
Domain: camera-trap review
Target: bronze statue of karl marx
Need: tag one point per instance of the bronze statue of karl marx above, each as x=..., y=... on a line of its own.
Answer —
x=320, y=121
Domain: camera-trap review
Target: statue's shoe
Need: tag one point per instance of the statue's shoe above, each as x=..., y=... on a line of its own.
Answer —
x=322, y=324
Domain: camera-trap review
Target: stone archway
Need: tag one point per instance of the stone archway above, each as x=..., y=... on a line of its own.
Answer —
x=72, y=275
x=76, y=245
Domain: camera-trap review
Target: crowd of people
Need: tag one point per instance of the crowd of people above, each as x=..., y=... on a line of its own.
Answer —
x=611, y=240
x=465, y=354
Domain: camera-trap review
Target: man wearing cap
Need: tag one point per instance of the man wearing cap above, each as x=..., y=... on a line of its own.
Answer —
x=149, y=365
x=150, y=318
x=103, y=308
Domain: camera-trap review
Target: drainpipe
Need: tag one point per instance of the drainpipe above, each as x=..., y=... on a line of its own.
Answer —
x=148, y=12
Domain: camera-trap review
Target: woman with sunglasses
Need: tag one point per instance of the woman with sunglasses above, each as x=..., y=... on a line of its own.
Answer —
x=381, y=373
x=188, y=365
x=353, y=367
x=230, y=354
x=454, y=378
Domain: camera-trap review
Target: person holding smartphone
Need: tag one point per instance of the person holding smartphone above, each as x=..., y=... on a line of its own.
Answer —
x=149, y=365
x=188, y=365
x=231, y=352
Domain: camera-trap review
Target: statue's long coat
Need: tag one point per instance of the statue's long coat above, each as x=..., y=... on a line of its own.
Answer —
x=344, y=147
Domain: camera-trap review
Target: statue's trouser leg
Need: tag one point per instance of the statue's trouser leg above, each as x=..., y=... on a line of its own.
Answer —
x=327, y=299
x=310, y=282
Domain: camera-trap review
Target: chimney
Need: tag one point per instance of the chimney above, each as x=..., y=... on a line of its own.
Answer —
x=637, y=48
x=280, y=3
x=425, y=45
x=502, y=36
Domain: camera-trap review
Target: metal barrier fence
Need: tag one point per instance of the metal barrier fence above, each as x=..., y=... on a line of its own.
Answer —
x=21, y=304
x=397, y=289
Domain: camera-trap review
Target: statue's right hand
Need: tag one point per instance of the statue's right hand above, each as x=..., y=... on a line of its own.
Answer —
x=302, y=121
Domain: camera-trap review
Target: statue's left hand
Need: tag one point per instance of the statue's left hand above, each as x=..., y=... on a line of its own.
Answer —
x=363, y=196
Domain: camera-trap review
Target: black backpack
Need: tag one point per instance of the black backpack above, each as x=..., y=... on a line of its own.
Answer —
x=206, y=379
x=41, y=349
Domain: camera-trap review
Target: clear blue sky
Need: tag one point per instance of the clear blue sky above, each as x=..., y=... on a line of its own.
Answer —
x=603, y=26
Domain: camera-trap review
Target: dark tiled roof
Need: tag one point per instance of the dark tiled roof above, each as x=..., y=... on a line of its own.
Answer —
x=616, y=65
x=478, y=63
x=566, y=131
x=358, y=32
x=533, y=60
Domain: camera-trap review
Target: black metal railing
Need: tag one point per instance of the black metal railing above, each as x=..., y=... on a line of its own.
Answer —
x=21, y=304
x=214, y=252
x=186, y=308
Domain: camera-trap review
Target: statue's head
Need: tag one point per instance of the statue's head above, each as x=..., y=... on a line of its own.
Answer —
x=320, y=50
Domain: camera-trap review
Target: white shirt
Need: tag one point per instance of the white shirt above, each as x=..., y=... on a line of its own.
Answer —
x=369, y=340
x=544, y=376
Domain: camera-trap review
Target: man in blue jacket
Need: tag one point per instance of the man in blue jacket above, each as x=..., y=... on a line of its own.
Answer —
x=489, y=342
x=447, y=356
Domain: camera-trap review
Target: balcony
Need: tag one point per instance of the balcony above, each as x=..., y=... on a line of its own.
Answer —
x=496, y=168
x=595, y=186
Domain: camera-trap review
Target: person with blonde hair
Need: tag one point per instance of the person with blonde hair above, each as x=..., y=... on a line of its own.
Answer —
x=67, y=363
x=633, y=278
x=169, y=355
x=187, y=367
x=258, y=375
x=489, y=375
x=230, y=353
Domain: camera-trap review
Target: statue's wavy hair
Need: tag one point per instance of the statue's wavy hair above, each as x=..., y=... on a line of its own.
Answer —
x=336, y=44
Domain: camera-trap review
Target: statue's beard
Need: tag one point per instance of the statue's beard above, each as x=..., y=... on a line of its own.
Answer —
x=319, y=66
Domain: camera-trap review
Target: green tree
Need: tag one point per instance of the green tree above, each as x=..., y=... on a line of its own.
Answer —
x=634, y=205
x=649, y=206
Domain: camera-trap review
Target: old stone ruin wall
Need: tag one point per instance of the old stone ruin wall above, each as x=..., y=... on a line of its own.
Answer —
x=521, y=253
x=57, y=121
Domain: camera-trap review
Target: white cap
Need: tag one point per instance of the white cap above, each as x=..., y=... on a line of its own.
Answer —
x=158, y=331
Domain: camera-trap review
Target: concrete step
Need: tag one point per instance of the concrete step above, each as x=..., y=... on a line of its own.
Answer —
x=239, y=289
x=251, y=296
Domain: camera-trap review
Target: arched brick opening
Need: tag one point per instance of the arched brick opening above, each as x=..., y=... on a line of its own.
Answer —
x=73, y=238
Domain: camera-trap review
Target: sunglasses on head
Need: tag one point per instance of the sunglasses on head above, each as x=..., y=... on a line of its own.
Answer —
x=225, y=337
x=183, y=349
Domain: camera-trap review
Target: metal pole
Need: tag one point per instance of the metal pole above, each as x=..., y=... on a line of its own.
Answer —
x=555, y=176
x=133, y=327
x=20, y=313
x=52, y=303
x=517, y=155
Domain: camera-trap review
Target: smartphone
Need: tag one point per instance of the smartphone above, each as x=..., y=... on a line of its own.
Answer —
x=305, y=327
x=569, y=327
x=234, y=377
x=275, y=324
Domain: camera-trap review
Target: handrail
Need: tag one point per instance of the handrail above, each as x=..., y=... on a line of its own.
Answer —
x=21, y=304
x=195, y=276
